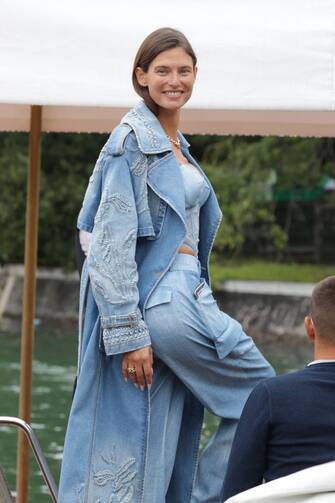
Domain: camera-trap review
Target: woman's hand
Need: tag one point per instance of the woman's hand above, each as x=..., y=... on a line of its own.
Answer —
x=137, y=365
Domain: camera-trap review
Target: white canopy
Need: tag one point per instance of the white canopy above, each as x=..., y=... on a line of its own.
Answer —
x=264, y=66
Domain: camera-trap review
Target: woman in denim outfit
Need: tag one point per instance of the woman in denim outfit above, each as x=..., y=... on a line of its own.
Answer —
x=154, y=347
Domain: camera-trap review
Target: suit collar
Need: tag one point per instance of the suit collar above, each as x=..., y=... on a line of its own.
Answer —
x=150, y=135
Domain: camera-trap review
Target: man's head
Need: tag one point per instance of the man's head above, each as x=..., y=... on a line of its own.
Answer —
x=320, y=324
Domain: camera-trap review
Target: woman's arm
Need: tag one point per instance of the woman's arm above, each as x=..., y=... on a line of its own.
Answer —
x=111, y=260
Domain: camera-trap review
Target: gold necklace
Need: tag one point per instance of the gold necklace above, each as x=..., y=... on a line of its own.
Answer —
x=172, y=140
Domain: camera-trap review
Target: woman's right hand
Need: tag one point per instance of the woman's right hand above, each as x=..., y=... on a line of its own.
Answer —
x=137, y=365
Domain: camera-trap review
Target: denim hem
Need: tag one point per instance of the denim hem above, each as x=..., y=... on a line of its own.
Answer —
x=145, y=231
x=84, y=227
x=124, y=339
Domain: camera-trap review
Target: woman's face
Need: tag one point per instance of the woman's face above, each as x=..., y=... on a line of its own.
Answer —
x=170, y=78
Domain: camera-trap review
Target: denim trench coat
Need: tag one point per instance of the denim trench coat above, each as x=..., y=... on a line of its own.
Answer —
x=135, y=208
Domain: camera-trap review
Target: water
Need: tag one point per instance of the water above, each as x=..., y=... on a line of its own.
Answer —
x=53, y=376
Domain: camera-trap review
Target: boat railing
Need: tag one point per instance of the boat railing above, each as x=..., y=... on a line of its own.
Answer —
x=36, y=448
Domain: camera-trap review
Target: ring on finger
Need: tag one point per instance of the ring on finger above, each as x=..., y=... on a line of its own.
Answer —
x=131, y=371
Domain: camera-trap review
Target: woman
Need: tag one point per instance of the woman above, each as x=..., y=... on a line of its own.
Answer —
x=154, y=347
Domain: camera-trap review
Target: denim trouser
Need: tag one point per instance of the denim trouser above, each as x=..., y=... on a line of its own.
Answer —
x=199, y=348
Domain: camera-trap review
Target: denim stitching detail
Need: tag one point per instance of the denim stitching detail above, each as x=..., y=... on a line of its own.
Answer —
x=99, y=164
x=142, y=200
x=100, y=290
x=93, y=425
x=154, y=139
x=120, y=202
x=139, y=166
x=79, y=493
x=120, y=480
x=115, y=265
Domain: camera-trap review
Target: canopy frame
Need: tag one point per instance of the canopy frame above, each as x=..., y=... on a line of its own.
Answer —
x=29, y=296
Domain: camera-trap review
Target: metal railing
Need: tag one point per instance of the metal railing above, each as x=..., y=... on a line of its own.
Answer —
x=27, y=429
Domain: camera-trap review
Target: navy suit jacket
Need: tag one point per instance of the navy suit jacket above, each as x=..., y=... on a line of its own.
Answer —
x=287, y=424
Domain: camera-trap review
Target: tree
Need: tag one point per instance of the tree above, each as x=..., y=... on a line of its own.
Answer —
x=242, y=173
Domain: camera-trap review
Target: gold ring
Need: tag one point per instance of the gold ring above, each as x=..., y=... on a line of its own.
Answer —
x=131, y=371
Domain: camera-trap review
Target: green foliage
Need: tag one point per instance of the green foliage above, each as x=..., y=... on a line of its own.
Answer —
x=13, y=182
x=67, y=162
x=244, y=172
x=241, y=173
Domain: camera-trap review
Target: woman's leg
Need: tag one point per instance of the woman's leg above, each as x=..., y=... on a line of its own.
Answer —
x=213, y=462
x=209, y=352
x=167, y=399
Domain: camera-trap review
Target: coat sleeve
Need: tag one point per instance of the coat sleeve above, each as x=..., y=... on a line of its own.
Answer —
x=111, y=260
x=247, y=461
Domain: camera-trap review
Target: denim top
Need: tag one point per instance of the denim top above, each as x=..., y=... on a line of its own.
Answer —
x=196, y=194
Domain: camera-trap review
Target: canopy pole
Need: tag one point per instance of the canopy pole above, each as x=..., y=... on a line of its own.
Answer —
x=29, y=293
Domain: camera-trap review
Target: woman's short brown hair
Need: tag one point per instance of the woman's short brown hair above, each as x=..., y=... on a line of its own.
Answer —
x=158, y=41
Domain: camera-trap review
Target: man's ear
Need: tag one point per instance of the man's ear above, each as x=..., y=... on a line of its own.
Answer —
x=309, y=327
x=141, y=76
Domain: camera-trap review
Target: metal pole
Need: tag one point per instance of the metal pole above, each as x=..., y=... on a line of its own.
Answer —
x=30, y=261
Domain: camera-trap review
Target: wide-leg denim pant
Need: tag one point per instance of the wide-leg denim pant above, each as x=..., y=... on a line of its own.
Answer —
x=200, y=348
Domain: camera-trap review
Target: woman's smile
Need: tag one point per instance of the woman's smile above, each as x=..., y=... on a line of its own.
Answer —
x=173, y=95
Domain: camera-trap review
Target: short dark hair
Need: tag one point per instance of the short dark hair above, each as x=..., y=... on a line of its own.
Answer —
x=323, y=307
x=158, y=41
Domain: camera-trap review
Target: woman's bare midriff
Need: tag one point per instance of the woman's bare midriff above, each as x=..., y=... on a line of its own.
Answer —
x=186, y=249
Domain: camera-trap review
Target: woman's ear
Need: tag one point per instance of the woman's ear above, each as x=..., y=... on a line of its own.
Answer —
x=141, y=76
x=195, y=71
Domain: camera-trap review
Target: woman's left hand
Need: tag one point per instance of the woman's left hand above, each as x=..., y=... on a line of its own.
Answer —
x=137, y=365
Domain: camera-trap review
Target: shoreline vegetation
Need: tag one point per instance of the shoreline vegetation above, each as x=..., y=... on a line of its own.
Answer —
x=261, y=270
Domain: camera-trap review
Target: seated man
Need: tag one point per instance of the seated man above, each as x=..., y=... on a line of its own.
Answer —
x=288, y=422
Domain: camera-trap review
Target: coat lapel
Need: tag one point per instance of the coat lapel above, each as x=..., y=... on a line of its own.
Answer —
x=165, y=178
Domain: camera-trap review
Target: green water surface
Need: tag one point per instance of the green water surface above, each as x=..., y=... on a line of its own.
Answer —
x=54, y=369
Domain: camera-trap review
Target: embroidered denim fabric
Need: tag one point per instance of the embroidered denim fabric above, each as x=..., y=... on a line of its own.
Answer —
x=124, y=445
x=119, y=478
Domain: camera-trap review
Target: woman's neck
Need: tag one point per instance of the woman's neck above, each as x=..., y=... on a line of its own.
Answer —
x=169, y=120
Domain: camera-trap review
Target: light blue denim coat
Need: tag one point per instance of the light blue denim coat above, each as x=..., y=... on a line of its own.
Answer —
x=135, y=208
